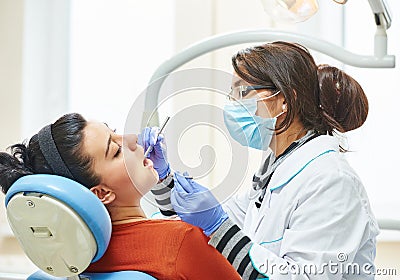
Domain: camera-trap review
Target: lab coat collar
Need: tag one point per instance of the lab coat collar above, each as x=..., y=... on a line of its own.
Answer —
x=301, y=158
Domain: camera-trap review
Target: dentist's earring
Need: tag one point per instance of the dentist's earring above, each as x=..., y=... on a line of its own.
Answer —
x=283, y=111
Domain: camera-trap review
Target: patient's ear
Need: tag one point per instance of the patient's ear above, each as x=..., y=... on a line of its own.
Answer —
x=105, y=194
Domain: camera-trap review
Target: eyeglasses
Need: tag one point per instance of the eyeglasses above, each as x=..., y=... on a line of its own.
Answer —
x=239, y=92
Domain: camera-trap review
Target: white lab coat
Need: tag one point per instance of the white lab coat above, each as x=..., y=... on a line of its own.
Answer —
x=315, y=214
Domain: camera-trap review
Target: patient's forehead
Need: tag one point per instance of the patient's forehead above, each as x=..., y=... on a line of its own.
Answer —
x=96, y=135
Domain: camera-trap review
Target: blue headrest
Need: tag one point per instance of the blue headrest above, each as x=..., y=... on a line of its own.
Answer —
x=76, y=196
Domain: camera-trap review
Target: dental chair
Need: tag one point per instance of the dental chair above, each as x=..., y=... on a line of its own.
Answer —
x=62, y=227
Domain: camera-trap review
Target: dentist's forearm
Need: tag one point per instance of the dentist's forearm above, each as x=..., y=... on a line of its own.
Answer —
x=231, y=242
x=162, y=194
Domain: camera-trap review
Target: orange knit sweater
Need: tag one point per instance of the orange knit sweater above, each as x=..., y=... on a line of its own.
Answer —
x=164, y=249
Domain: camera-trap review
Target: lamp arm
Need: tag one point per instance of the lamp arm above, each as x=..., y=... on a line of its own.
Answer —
x=383, y=21
x=247, y=36
x=389, y=224
x=381, y=13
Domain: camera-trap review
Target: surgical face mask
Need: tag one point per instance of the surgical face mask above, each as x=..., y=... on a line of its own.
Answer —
x=246, y=127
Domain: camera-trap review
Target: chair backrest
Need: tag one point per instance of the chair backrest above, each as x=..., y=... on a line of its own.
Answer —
x=61, y=225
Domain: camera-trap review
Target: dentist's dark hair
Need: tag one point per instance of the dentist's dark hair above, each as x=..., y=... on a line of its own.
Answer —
x=27, y=158
x=324, y=98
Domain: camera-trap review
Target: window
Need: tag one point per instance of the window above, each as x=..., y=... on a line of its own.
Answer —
x=375, y=144
x=115, y=48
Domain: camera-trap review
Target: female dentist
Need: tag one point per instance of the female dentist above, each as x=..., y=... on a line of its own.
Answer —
x=306, y=215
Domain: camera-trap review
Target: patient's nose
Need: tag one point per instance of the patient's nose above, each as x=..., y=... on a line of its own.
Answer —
x=130, y=141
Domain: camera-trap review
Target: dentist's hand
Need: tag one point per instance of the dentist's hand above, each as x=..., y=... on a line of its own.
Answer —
x=196, y=204
x=158, y=155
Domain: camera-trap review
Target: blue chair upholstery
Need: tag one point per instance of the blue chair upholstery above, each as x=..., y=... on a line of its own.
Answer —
x=33, y=231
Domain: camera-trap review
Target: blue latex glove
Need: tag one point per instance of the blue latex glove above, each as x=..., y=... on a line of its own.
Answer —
x=158, y=154
x=196, y=204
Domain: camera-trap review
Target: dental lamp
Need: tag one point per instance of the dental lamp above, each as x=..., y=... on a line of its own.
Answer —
x=301, y=10
x=380, y=58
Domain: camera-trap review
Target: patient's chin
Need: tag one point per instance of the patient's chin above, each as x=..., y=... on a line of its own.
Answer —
x=144, y=185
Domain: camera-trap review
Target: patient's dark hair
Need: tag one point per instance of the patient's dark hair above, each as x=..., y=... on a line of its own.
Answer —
x=27, y=158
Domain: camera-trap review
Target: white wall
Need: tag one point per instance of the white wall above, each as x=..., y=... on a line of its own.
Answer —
x=375, y=145
x=11, y=42
x=11, y=24
x=115, y=47
x=45, y=63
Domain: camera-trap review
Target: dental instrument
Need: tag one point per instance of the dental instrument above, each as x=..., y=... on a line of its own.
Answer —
x=159, y=132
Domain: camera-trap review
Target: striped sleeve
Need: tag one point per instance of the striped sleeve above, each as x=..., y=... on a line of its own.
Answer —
x=231, y=242
x=162, y=195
